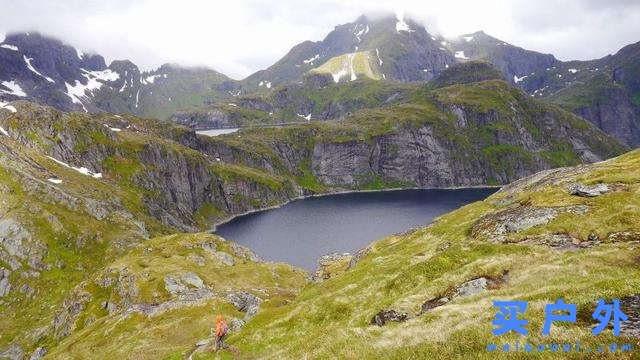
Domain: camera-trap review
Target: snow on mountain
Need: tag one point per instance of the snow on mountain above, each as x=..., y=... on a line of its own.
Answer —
x=14, y=88
x=30, y=67
x=10, y=47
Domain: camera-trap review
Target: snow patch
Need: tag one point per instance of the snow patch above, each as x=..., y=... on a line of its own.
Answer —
x=54, y=181
x=9, y=47
x=265, y=83
x=517, y=79
x=151, y=79
x=573, y=71
x=78, y=90
x=81, y=170
x=14, y=88
x=3, y=131
x=353, y=73
x=378, y=55
x=460, y=55
x=401, y=25
x=30, y=67
x=307, y=117
x=467, y=38
x=443, y=43
x=79, y=53
x=4, y=105
x=359, y=34
x=311, y=59
x=137, y=97
x=232, y=104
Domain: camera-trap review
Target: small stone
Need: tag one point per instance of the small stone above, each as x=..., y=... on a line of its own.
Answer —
x=593, y=237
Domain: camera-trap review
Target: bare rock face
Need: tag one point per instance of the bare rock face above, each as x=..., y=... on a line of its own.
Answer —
x=588, y=191
x=384, y=316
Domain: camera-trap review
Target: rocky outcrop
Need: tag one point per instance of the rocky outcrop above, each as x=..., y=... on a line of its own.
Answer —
x=13, y=352
x=496, y=226
x=384, y=316
x=588, y=191
x=245, y=302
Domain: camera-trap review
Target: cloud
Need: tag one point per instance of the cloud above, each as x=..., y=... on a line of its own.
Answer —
x=242, y=36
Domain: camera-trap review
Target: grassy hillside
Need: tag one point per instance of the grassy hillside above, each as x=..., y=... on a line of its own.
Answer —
x=578, y=256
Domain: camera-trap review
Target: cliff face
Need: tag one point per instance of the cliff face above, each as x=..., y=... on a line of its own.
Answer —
x=473, y=134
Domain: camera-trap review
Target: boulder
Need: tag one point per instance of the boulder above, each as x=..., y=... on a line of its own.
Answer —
x=472, y=287
x=244, y=301
x=588, y=191
x=382, y=317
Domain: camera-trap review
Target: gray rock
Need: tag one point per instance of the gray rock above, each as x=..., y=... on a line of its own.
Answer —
x=518, y=217
x=472, y=287
x=174, y=285
x=236, y=324
x=226, y=258
x=588, y=191
x=192, y=279
x=5, y=285
x=13, y=352
x=64, y=321
x=244, y=301
x=38, y=353
x=244, y=252
x=196, y=259
x=384, y=316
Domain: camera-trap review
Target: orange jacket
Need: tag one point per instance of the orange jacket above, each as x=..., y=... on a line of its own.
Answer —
x=220, y=326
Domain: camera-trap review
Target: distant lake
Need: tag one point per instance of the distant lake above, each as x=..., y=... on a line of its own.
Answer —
x=216, y=132
x=303, y=230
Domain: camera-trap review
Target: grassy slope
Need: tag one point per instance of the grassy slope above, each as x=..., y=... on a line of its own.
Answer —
x=360, y=64
x=173, y=333
x=332, y=319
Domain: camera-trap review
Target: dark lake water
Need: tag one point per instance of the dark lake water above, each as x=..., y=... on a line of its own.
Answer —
x=303, y=230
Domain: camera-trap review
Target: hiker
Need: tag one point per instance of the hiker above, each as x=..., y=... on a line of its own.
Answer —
x=221, y=332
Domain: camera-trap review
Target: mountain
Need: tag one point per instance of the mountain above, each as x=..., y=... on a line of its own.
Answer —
x=514, y=62
x=386, y=48
x=95, y=208
x=604, y=91
x=43, y=69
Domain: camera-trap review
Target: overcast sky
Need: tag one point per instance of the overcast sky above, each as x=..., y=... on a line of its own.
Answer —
x=238, y=37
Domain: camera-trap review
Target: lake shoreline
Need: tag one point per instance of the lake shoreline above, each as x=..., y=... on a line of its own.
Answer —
x=228, y=219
